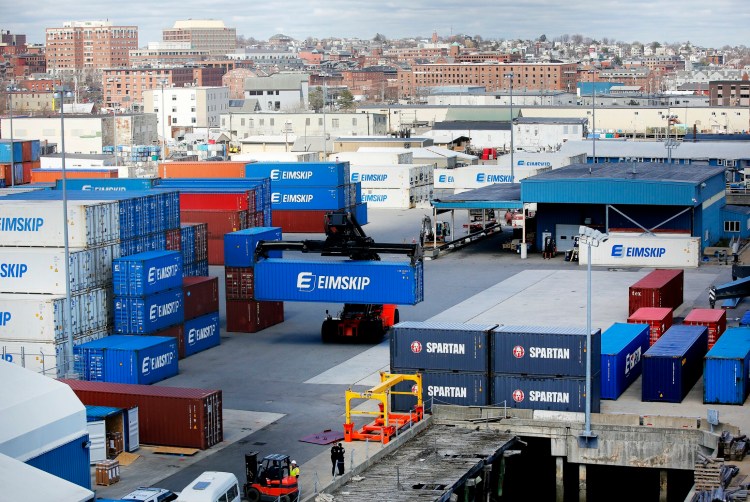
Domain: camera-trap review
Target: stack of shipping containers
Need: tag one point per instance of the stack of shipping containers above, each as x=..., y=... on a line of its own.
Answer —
x=394, y=186
x=244, y=313
x=25, y=155
x=202, y=328
x=544, y=368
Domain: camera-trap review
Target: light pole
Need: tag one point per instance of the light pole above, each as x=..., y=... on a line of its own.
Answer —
x=114, y=139
x=591, y=238
x=593, y=116
x=163, y=134
x=512, y=146
x=11, y=90
x=61, y=94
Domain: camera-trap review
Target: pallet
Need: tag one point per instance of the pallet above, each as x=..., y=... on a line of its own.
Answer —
x=708, y=476
x=172, y=450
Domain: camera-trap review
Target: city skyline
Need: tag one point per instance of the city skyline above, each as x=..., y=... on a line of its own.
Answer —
x=717, y=24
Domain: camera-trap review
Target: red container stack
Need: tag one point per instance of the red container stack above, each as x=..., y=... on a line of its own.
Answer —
x=659, y=319
x=172, y=416
x=660, y=288
x=219, y=223
x=294, y=221
x=714, y=319
x=238, y=283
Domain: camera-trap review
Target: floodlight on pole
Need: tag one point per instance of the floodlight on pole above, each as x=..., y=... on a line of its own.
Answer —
x=510, y=76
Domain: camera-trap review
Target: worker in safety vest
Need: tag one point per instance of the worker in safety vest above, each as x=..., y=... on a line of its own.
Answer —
x=294, y=471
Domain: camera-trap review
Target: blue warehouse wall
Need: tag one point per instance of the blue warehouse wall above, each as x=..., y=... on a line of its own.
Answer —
x=709, y=221
x=740, y=217
x=69, y=461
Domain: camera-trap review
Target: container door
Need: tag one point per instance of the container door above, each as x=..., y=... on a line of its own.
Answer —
x=97, y=437
x=132, y=428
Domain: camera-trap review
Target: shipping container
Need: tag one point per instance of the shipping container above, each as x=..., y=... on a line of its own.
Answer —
x=389, y=197
x=623, y=346
x=102, y=185
x=52, y=175
x=674, y=363
x=726, y=372
x=360, y=212
x=443, y=387
x=239, y=247
x=239, y=283
x=43, y=270
x=101, y=421
x=659, y=319
x=627, y=249
x=398, y=176
x=178, y=333
x=215, y=251
x=545, y=393
x=202, y=333
x=291, y=221
x=41, y=317
x=201, y=295
x=6, y=154
x=339, y=281
x=714, y=319
x=224, y=169
x=218, y=222
x=435, y=346
x=543, y=350
x=300, y=174
x=171, y=416
x=197, y=269
x=250, y=316
x=174, y=241
x=472, y=177
x=225, y=200
x=143, y=315
x=127, y=359
x=745, y=320
x=660, y=288
x=308, y=198
x=147, y=273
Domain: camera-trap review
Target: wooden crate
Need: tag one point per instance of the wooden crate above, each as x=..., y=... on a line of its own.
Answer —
x=107, y=472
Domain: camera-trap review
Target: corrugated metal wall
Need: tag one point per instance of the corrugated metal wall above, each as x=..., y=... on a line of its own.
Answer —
x=69, y=461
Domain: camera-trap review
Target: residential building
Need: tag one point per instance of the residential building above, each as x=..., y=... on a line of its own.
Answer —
x=729, y=93
x=166, y=53
x=89, y=45
x=203, y=34
x=27, y=102
x=117, y=84
x=235, y=81
x=269, y=59
x=186, y=109
x=279, y=92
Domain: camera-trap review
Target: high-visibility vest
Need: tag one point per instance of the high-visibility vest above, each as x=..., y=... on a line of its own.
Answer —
x=294, y=471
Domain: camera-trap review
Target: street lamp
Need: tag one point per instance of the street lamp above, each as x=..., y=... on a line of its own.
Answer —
x=11, y=89
x=61, y=94
x=593, y=115
x=591, y=238
x=512, y=146
x=162, y=82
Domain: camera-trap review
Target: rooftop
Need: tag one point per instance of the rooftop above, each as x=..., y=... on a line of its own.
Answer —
x=640, y=171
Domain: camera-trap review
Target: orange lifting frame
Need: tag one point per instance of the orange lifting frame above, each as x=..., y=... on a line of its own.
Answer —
x=386, y=424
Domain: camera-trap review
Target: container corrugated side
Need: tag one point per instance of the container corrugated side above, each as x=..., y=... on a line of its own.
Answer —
x=339, y=281
x=443, y=387
x=661, y=288
x=300, y=173
x=659, y=319
x=172, y=416
x=239, y=247
x=239, y=283
x=360, y=211
x=250, y=316
x=43, y=270
x=726, y=369
x=435, y=346
x=202, y=333
x=389, y=197
x=299, y=221
x=147, y=273
x=40, y=317
x=673, y=365
x=543, y=350
x=201, y=296
x=623, y=346
x=394, y=176
x=142, y=315
x=178, y=333
x=308, y=197
x=714, y=319
x=545, y=392
x=108, y=184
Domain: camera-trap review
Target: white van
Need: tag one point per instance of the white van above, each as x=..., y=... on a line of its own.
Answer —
x=212, y=486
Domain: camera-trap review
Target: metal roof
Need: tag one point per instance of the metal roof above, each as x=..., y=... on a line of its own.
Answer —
x=471, y=125
x=483, y=114
x=499, y=195
x=632, y=171
x=551, y=120
x=656, y=150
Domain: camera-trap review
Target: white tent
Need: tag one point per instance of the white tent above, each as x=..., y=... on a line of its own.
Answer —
x=24, y=482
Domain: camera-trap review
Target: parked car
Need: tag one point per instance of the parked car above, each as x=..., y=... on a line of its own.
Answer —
x=150, y=495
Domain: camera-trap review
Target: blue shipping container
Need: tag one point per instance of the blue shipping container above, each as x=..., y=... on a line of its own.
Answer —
x=148, y=314
x=544, y=393
x=373, y=282
x=108, y=184
x=239, y=246
x=196, y=269
x=435, y=346
x=5, y=153
x=69, y=461
x=726, y=371
x=308, y=198
x=147, y=273
x=301, y=174
x=443, y=387
x=360, y=212
x=128, y=359
x=623, y=346
x=36, y=150
x=202, y=333
x=745, y=321
x=674, y=363
x=543, y=350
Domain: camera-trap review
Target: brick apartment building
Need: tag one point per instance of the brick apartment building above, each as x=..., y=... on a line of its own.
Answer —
x=89, y=45
x=117, y=83
x=729, y=93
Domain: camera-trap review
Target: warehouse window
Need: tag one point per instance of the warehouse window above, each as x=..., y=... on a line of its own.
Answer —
x=731, y=226
x=335, y=122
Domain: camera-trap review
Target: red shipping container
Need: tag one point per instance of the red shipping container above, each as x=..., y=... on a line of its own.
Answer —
x=218, y=222
x=28, y=166
x=659, y=319
x=178, y=332
x=292, y=221
x=225, y=201
x=174, y=239
x=25, y=152
x=216, y=251
x=660, y=288
x=52, y=175
x=714, y=319
x=201, y=296
x=223, y=169
x=238, y=283
x=250, y=316
x=171, y=416
x=5, y=171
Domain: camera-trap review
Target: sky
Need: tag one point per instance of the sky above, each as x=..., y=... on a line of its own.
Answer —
x=709, y=23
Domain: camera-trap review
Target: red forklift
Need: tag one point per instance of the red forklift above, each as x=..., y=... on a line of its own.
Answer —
x=269, y=480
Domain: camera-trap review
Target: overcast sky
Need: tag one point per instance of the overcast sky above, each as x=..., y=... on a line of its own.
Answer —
x=712, y=23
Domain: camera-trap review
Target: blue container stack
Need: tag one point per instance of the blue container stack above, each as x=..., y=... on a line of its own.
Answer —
x=726, y=370
x=245, y=314
x=193, y=244
x=623, y=346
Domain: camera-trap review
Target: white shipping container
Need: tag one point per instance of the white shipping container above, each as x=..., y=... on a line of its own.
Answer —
x=43, y=270
x=636, y=250
x=48, y=358
x=393, y=176
x=40, y=223
x=463, y=178
x=379, y=158
x=388, y=197
x=540, y=160
x=40, y=317
x=73, y=162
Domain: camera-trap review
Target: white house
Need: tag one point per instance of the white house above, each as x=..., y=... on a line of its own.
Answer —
x=279, y=92
x=186, y=109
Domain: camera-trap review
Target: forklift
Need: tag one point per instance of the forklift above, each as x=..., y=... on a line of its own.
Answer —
x=269, y=480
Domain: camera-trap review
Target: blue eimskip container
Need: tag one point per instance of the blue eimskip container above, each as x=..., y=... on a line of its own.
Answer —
x=674, y=363
x=339, y=281
x=127, y=359
x=147, y=273
x=108, y=184
x=239, y=246
x=300, y=174
x=202, y=333
x=136, y=315
x=308, y=197
x=623, y=346
x=726, y=370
